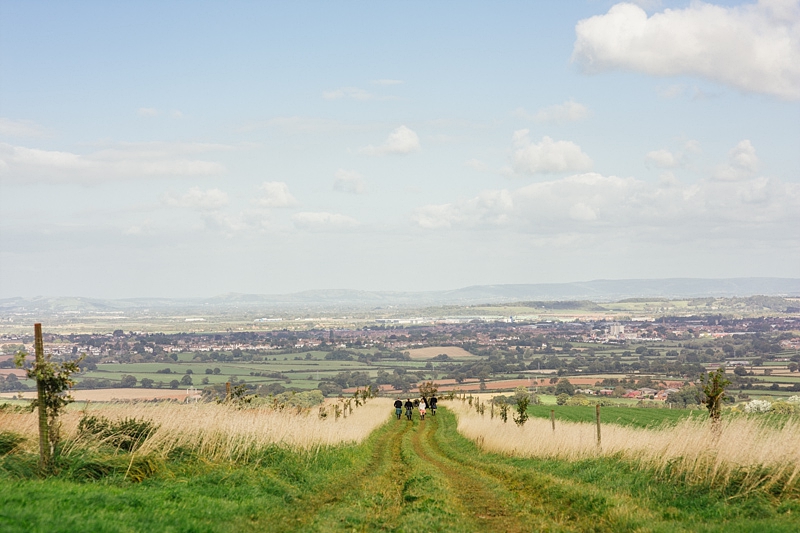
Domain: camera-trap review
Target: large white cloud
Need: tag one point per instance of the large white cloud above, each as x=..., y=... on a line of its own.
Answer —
x=323, y=221
x=275, y=194
x=119, y=161
x=754, y=47
x=593, y=204
x=547, y=156
x=401, y=141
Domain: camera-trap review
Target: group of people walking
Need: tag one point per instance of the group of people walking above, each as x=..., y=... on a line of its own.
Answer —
x=422, y=404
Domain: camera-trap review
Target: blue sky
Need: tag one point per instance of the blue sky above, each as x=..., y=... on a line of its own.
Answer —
x=192, y=149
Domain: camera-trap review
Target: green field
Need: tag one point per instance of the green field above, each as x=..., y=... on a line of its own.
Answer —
x=417, y=476
x=625, y=416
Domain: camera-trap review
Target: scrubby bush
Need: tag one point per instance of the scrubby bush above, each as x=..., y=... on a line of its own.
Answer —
x=10, y=441
x=786, y=408
x=758, y=406
x=126, y=434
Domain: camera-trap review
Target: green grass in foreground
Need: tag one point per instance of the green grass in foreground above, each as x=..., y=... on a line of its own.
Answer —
x=408, y=476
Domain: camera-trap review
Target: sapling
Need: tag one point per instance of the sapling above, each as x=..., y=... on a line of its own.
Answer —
x=714, y=384
x=504, y=412
x=53, y=382
x=522, y=411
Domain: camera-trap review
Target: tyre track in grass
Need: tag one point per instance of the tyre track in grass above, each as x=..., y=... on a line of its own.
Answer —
x=482, y=500
x=368, y=499
x=550, y=503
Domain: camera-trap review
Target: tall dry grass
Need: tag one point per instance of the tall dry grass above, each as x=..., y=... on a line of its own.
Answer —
x=217, y=432
x=745, y=453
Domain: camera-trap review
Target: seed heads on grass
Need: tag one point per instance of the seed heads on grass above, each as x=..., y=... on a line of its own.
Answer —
x=742, y=454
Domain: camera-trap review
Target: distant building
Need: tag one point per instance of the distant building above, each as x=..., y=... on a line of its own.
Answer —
x=616, y=329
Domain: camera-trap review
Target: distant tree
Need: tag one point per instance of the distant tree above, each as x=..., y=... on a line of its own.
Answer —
x=128, y=381
x=147, y=383
x=209, y=371
x=217, y=371
x=428, y=389
x=186, y=380
x=189, y=371
x=173, y=356
x=792, y=367
x=740, y=371
x=204, y=381
x=174, y=384
x=565, y=387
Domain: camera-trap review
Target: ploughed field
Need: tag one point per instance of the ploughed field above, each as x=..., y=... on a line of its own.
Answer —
x=345, y=475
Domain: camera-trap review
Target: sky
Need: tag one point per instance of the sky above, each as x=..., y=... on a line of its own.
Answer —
x=190, y=149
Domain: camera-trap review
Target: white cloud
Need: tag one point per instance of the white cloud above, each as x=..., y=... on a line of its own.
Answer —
x=742, y=163
x=401, y=141
x=569, y=111
x=147, y=112
x=275, y=194
x=176, y=114
x=348, y=181
x=352, y=93
x=387, y=82
x=119, y=161
x=547, y=156
x=322, y=221
x=21, y=128
x=593, y=204
x=196, y=198
x=754, y=47
x=662, y=158
x=489, y=208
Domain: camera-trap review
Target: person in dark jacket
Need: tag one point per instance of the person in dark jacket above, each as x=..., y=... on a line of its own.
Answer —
x=398, y=408
x=409, y=408
x=432, y=404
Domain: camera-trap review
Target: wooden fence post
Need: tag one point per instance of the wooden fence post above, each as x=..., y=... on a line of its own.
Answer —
x=41, y=401
x=227, y=391
x=597, y=416
x=553, y=418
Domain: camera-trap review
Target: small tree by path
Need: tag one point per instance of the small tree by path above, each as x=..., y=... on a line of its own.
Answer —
x=714, y=384
x=523, y=400
x=428, y=389
x=53, y=382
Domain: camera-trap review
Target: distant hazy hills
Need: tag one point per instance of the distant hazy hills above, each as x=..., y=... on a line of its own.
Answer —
x=597, y=290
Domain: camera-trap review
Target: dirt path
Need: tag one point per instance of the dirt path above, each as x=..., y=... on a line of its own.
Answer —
x=480, y=497
x=421, y=476
x=372, y=492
